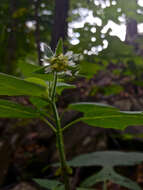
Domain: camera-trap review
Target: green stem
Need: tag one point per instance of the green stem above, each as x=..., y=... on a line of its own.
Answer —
x=71, y=123
x=49, y=88
x=59, y=136
x=60, y=146
x=104, y=185
x=54, y=87
x=49, y=124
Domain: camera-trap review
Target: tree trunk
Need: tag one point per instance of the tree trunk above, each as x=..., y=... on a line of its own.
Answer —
x=11, y=41
x=37, y=31
x=132, y=35
x=60, y=26
x=131, y=31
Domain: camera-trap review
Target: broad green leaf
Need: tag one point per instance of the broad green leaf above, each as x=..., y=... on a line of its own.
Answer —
x=13, y=86
x=62, y=86
x=59, y=88
x=47, y=50
x=30, y=70
x=42, y=73
x=37, y=81
x=59, y=48
x=101, y=115
x=96, y=178
x=10, y=109
x=46, y=77
x=46, y=183
x=123, y=181
x=108, y=174
x=42, y=70
x=27, y=69
x=120, y=121
x=41, y=105
x=107, y=158
x=91, y=107
x=38, y=102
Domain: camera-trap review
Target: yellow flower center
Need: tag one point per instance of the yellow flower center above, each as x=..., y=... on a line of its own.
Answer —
x=59, y=63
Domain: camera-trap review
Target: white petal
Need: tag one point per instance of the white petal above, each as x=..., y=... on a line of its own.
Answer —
x=45, y=63
x=71, y=63
x=68, y=73
x=76, y=57
x=69, y=54
x=48, y=70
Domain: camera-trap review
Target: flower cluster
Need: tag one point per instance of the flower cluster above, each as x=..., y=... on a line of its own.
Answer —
x=60, y=63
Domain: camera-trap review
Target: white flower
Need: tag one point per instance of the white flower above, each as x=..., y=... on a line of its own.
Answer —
x=63, y=64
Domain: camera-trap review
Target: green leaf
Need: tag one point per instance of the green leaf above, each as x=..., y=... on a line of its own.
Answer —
x=31, y=70
x=107, y=158
x=100, y=115
x=46, y=183
x=59, y=88
x=59, y=48
x=42, y=74
x=41, y=105
x=108, y=173
x=62, y=86
x=46, y=76
x=96, y=178
x=91, y=107
x=27, y=69
x=38, y=102
x=13, y=86
x=114, y=121
x=37, y=81
x=10, y=109
x=41, y=70
x=123, y=181
x=47, y=50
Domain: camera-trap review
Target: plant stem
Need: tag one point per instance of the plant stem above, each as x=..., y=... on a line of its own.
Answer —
x=54, y=87
x=60, y=146
x=104, y=185
x=49, y=124
x=59, y=136
x=71, y=123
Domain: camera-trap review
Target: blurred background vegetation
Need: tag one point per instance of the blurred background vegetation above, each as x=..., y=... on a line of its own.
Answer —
x=87, y=26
